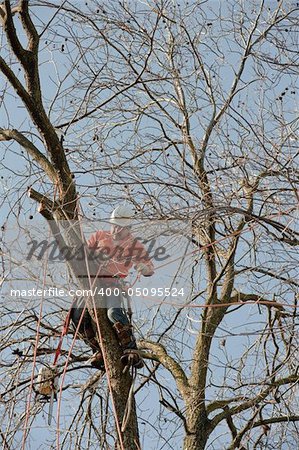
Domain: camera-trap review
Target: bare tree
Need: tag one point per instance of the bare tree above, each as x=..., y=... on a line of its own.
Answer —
x=189, y=112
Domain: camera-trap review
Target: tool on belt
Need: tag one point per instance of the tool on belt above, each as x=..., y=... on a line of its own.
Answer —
x=47, y=386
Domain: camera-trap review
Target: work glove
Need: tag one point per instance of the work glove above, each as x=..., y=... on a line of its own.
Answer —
x=144, y=270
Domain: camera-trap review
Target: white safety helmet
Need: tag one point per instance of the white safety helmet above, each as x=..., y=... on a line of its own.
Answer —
x=122, y=215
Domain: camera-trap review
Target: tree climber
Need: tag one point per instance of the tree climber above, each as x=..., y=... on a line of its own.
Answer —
x=117, y=251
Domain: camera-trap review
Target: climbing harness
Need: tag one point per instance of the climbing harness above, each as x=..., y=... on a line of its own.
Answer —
x=131, y=358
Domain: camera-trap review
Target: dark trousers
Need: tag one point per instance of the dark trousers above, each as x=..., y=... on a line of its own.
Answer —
x=115, y=313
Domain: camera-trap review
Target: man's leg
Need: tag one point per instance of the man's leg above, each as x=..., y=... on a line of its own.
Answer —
x=118, y=317
x=121, y=324
x=88, y=335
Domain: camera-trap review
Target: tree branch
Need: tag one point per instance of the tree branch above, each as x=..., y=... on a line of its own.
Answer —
x=46, y=206
x=33, y=38
x=220, y=404
x=11, y=34
x=255, y=400
x=230, y=423
x=44, y=163
x=159, y=354
x=260, y=423
x=16, y=84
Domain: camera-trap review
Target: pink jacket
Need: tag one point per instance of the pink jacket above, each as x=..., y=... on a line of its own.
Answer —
x=118, y=257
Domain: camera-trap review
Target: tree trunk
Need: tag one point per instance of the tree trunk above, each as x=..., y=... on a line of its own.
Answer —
x=197, y=425
x=194, y=442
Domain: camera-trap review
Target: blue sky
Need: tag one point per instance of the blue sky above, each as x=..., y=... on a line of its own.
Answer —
x=94, y=183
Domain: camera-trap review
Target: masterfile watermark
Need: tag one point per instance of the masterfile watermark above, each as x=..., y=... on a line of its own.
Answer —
x=104, y=297
x=62, y=255
x=55, y=253
x=53, y=292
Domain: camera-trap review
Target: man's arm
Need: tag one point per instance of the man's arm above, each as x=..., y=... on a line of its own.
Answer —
x=147, y=270
x=93, y=241
x=143, y=261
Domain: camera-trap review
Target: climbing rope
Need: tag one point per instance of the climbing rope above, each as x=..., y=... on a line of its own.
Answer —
x=130, y=399
x=27, y=413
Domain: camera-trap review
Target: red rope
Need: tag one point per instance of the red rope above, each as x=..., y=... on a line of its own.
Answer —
x=59, y=399
x=25, y=434
x=63, y=333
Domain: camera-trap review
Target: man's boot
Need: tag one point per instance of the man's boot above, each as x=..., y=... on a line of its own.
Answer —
x=131, y=356
x=87, y=333
x=97, y=359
